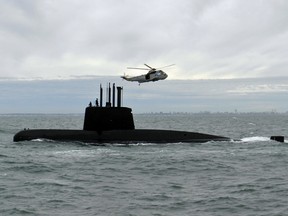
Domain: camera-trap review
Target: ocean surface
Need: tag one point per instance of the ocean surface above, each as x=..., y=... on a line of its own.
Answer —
x=246, y=177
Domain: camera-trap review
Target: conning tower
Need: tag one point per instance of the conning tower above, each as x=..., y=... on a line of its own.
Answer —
x=109, y=117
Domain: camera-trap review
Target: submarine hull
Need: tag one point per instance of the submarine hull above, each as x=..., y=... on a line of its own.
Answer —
x=117, y=136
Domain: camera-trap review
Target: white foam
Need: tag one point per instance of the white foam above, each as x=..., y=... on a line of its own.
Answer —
x=255, y=139
x=37, y=140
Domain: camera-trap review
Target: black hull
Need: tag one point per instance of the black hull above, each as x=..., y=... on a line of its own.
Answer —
x=117, y=136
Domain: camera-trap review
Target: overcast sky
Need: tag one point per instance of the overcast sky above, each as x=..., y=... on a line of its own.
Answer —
x=48, y=47
x=56, y=39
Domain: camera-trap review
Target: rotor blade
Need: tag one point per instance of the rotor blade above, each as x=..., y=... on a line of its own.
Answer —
x=166, y=66
x=148, y=66
x=137, y=68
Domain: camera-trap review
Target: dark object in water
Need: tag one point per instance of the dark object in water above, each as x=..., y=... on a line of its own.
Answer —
x=114, y=124
x=277, y=138
x=118, y=136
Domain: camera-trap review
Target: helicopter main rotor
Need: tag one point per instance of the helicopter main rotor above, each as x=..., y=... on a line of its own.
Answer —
x=149, y=68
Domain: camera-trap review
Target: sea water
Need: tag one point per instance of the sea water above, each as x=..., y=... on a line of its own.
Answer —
x=244, y=177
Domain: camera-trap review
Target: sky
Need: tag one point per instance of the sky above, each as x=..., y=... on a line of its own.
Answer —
x=169, y=96
x=235, y=45
x=206, y=39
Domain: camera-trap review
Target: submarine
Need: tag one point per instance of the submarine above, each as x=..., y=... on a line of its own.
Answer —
x=113, y=123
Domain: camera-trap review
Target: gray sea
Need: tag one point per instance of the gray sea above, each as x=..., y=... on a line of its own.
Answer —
x=246, y=177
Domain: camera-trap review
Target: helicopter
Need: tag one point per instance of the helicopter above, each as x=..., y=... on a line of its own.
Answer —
x=154, y=74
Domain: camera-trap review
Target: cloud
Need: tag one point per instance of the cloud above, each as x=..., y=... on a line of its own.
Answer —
x=52, y=39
